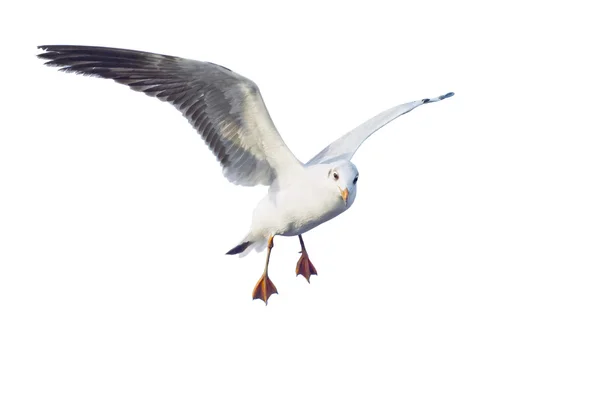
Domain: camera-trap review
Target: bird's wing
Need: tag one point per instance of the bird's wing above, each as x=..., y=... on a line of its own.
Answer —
x=225, y=108
x=345, y=147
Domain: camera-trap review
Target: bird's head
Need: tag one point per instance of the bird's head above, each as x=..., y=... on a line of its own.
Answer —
x=343, y=177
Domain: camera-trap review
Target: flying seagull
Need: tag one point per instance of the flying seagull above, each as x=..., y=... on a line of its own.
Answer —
x=227, y=110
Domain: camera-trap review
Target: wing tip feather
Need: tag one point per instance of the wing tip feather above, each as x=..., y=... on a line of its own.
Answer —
x=440, y=98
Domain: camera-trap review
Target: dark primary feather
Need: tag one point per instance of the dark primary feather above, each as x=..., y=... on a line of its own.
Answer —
x=238, y=249
x=213, y=99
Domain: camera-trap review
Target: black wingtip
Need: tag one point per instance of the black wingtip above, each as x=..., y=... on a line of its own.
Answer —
x=425, y=100
x=43, y=48
x=239, y=248
x=48, y=47
x=448, y=95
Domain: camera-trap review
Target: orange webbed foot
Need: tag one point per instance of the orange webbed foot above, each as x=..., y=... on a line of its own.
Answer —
x=305, y=267
x=264, y=289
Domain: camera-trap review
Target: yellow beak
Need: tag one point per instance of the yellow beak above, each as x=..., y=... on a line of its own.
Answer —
x=344, y=195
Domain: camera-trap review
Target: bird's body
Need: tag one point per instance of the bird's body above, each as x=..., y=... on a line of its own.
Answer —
x=295, y=208
x=227, y=110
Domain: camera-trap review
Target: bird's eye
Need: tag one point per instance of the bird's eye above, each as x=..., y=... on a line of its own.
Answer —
x=336, y=176
x=355, y=180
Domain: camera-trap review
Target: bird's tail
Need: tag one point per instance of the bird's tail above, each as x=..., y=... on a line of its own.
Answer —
x=249, y=243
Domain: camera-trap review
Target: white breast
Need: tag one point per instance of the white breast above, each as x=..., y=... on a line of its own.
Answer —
x=297, y=209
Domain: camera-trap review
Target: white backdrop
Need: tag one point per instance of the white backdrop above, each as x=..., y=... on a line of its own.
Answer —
x=468, y=265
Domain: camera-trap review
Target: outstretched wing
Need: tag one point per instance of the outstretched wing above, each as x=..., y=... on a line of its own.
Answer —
x=345, y=147
x=225, y=108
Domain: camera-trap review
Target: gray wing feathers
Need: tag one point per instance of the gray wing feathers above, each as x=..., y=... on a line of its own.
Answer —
x=345, y=147
x=225, y=108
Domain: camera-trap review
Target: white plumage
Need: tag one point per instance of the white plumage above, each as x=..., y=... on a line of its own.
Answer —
x=228, y=111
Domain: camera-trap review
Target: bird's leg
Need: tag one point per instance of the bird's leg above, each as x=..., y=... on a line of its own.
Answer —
x=305, y=266
x=265, y=287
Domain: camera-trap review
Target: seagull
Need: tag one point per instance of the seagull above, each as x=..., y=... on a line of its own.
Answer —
x=228, y=112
